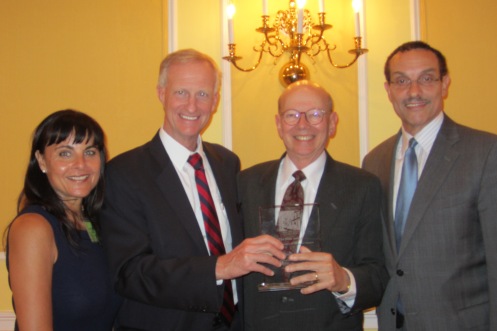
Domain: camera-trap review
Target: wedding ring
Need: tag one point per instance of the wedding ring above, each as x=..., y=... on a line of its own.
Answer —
x=316, y=277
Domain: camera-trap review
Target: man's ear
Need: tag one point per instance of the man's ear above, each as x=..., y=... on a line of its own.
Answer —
x=161, y=92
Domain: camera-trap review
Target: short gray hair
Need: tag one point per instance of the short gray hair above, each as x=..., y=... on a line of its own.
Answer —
x=187, y=56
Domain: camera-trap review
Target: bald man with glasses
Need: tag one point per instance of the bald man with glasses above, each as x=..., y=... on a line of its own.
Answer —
x=346, y=274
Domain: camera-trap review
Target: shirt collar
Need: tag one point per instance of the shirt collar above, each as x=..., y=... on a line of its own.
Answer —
x=178, y=153
x=425, y=138
x=312, y=172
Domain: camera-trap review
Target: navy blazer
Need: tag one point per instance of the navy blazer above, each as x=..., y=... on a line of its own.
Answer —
x=158, y=258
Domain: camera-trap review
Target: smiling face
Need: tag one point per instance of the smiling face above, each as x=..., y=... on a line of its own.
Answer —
x=416, y=105
x=73, y=170
x=189, y=98
x=305, y=142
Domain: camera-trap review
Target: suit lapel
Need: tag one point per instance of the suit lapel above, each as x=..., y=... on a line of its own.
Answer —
x=386, y=173
x=438, y=165
x=171, y=187
x=267, y=184
x=328, y=198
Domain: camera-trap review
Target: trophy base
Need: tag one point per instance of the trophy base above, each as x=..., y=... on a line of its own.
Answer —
x=272, y=287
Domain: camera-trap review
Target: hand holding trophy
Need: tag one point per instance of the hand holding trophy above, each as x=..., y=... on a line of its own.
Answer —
x=285, y=223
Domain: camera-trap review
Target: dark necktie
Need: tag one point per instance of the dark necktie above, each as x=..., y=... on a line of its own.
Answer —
x=294, y=194
x=212, y=230
x=290, y=216
x=407, y=187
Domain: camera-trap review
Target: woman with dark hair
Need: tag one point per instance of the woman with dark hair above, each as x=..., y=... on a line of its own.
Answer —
x=57, y=270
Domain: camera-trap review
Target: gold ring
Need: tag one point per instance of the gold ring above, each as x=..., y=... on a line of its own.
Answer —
x=317, y=277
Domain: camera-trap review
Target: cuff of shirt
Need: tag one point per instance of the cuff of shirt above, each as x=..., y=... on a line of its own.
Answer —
x=349, y=296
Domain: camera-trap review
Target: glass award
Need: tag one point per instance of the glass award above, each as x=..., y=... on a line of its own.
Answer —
x=286, y=224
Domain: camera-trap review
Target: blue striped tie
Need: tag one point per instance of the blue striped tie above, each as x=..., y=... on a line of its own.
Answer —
x=407, y=187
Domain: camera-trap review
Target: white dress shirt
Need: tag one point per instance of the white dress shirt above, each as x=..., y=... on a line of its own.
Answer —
x=179, y=157
x=313, y=174
x=425, y=139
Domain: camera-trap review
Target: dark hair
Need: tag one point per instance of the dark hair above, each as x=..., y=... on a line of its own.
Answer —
x=37, y=190
x=442, y=63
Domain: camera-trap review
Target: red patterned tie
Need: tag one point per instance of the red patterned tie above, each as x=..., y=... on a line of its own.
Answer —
x=294, y=194
x=212, y=229
x=290, y=217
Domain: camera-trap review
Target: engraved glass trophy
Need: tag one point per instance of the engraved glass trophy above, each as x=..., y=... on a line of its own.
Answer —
x=294, y=226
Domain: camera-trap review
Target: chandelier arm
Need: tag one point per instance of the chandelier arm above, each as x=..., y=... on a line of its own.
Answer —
x=341, y=66
x=307, y=40
x=275, y=55
x=317, y=37
x=276, y=49
x=244, y=69
x=268, y=39
x=319, y=46
x=357, y=51
x=234, y=59
x=270, y=33
x=312, y=53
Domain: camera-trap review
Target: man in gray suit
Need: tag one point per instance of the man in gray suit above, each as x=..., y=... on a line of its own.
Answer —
x=444, y=268
x=349, y=267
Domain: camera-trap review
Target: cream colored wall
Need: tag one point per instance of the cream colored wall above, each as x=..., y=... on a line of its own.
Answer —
x=199, y=26
x=100, y=57
x=387, y=26
x=465, y=34
x=5, y=297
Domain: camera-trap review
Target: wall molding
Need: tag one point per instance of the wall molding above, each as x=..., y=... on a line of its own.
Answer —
x=225, y=102
x=172, y=25
x=370, y=320
x=415, y=20
x=362, y=92
x=7, y=320
x=226, y=83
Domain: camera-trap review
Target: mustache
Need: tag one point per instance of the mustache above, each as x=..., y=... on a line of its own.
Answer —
x=416, y=99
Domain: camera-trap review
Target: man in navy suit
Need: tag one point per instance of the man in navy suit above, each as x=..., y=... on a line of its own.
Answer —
x=444, y=267
x=152, y=223
x=348, y=269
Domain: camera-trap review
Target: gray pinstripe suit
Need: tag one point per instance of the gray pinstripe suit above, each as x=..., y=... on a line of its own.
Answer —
x=446, y=268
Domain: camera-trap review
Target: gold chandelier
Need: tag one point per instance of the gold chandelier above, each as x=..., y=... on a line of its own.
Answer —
x=295, y=33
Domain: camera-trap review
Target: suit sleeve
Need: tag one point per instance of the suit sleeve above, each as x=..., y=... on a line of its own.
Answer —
x=487, y=210
x=368, y=261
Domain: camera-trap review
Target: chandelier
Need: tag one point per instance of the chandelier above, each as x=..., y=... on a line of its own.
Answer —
x=294, y=33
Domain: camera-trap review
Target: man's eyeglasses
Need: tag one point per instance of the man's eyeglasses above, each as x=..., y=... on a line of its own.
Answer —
x=312, y=116
x=403, y=82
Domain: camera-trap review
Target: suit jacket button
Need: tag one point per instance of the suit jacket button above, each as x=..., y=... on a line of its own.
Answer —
x=400, y=272
x=393, y=311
